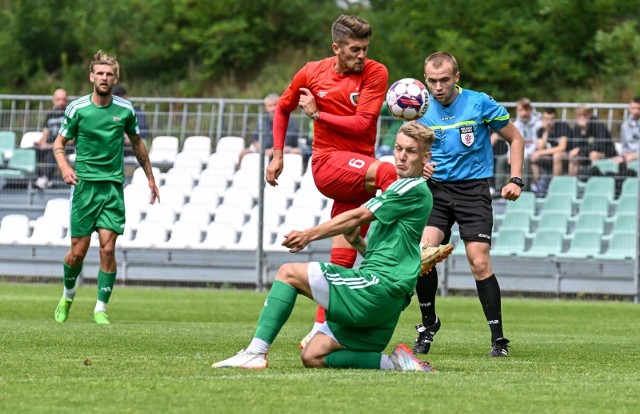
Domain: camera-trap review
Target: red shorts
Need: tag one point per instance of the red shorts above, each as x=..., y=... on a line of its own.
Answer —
x=340, y=175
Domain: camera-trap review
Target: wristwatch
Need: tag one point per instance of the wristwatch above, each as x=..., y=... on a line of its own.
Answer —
x=517, y=181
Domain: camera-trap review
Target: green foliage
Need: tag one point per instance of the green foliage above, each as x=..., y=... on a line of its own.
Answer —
x=544, y=49
x=156, y=356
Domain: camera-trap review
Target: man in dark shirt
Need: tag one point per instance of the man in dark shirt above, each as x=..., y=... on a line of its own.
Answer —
x=550, y=156
x=592, y=141
x=49, y=133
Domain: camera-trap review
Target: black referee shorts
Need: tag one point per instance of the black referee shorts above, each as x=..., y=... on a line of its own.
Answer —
x=467, y=203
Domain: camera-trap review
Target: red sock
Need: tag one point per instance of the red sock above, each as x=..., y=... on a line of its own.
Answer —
x=385, y=175
x=320, y=314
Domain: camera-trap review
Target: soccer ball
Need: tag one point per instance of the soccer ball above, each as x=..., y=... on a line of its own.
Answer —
x=408, y=99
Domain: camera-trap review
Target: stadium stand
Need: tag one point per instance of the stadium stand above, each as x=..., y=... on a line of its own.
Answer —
x=545, y=243
x=163, y=150
x=29, y=139
x=509, y=242
x=585, y=244
x=200, y=146
x=602, y=186
x=14, y=228
x=7, y=144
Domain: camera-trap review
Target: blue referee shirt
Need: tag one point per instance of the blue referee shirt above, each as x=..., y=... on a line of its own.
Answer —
x=462, y=147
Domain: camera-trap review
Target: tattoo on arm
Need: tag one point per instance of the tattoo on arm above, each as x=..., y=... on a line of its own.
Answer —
x=59, y=151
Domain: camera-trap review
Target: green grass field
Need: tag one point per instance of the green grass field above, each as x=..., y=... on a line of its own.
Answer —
x=156, y=356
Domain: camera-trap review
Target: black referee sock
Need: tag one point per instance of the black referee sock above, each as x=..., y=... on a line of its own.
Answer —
x=426, y=290
x=490, y=299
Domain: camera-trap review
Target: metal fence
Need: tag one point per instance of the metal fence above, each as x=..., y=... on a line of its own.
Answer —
x=217, y=118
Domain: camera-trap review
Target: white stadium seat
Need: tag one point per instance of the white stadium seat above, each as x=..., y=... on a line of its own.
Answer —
x=163, y=149
x=198, y=145
x=14, y=228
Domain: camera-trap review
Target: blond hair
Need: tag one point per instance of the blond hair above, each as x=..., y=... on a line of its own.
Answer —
x=103, y=58
x=437, y=59
x=424, y=135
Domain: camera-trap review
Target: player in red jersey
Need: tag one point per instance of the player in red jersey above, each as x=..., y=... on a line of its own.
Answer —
x=343, y=95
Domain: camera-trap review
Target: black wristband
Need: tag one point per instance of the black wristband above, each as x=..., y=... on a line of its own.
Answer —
x=517, y=181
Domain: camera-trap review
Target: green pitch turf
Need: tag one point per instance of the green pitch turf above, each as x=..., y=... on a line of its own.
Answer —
x=156, y=356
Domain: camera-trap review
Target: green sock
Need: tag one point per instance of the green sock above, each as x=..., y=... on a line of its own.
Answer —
x=70, y=275
x=105, y=285
x=277, y=309
x=351, y=359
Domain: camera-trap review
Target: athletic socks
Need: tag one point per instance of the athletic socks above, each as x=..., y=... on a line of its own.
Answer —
x=490, y=299
x=70, y=275
x=426, y=290
x=276, y=310
x=351, y=359
x=105, y=285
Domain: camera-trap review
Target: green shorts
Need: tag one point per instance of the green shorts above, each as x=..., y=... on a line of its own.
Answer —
x=362, y=313
x=96, y=204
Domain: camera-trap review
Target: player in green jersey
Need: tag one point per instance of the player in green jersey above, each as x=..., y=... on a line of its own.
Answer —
x=363, y=305
x=98, y=123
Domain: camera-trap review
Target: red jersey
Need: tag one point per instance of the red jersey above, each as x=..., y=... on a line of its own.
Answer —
x=349, y=105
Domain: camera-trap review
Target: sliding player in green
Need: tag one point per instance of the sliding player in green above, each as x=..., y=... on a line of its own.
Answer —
x=363, y=305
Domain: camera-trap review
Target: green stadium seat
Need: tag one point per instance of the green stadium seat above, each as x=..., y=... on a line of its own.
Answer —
x=585, y=244
x=594, y=222
x=545, y=243
x=621, y=247
x=606, y=166
x=627, y=205
x=595, y=203
x=515, y=221
x=625, y=223
x=553, y=221
x=525, y=203
x=558, y=203
x=7, y=145
x=563, y=184
x=605, y=186
x=22, y=165
x=509, y=242
x=629, y=187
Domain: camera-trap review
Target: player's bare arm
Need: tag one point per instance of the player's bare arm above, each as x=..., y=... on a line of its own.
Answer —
x=340, y=224
x=60, y=155
x=512, y=135
x=140, y=151
x=354, y=238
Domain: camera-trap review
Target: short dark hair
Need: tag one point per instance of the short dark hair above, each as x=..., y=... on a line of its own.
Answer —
x=550, y=111
x=636, y=100
x=350, y=27
x=119, y=90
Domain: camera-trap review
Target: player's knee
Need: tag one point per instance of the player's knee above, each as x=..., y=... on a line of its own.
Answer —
x=311, y=359
x=108, y=250
x=385, y=175
x=479, y=265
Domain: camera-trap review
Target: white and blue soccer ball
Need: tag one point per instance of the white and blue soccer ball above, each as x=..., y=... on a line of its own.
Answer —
x=408, y=99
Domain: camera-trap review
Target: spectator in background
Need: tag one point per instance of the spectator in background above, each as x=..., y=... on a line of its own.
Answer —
x=121, y=91
x=291, y=144
x=550, y=154
x=591, y=142
x=44, y=147
x=528, y=123
x=630, y=135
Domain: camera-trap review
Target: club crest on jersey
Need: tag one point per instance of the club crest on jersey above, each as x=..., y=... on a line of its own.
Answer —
x=467, y=136
x=354, y=98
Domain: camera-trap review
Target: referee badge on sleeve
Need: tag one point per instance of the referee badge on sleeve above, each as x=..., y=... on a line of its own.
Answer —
x=466, y=135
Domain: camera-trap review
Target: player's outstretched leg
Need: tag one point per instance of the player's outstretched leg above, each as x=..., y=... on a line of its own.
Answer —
x=244, y=359
x=432, y=255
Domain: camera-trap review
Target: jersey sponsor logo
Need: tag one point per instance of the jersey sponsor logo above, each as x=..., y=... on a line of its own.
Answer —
x=354, y=96
x=448, y=118
x=467, y=136
x=116, y=118
x=322, y=94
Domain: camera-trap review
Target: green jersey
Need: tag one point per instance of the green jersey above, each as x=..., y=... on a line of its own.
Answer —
x=99, y=134
x=393, y=245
